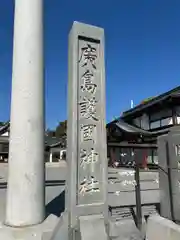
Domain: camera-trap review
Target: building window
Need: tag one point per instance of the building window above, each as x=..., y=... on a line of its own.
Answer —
x=161, y=123
x=166, y=121
x=142, y=122
x=155, y=124
x=160, y=119
x=160, y=115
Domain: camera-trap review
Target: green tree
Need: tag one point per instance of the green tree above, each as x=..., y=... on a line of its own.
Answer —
x=61, y=129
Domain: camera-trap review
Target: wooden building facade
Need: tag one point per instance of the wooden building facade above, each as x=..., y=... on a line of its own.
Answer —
x=139, y=127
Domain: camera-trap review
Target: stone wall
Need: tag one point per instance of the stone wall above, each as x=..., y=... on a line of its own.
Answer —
x=121, y=187
x=55, y=185
x=121, y=190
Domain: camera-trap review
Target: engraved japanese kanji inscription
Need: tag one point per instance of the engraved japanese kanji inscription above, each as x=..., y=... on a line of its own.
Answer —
x=88, y=108
x=90, y=181
x=89, y=185
x=88, y=84
x=88, y=158
x=88, y=55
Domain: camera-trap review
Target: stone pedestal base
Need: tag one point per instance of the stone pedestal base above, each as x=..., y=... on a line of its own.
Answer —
x=125, y=230
x=161, y=228
x=42, y=231
x=92, y=227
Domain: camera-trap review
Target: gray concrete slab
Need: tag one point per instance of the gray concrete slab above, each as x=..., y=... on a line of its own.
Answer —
x=92, y=227
x=165, y=207
x=126, y=186
x=128, y=198
x=160, y=228
x=42, y=231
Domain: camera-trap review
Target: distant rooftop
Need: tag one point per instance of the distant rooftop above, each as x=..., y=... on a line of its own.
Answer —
x=173, y=93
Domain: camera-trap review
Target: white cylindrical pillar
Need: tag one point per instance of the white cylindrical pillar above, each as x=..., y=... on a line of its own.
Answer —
x=25, y=194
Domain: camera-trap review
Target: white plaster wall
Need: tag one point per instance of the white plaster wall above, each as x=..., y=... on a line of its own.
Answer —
x=143, y=121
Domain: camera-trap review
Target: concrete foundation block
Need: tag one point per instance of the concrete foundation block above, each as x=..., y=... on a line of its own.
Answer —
x=175, y=181
x=124, y=229
x=42, y=231
x=61, y=229
x=159, y=228
x=92, y=227
x=165, y=207
x=176, y=206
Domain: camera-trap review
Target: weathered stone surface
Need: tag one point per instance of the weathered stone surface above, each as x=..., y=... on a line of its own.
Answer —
x=119, y=213
x=124, y=229
x=92, y=227
x=126, y=186
x=61, y=230
x=54, y=190
x=165, y=205
x=147, y=210
x=25, y=194
x=160, y=228
x=123, y=173
x=162, y=152
x=42, y=231
x=174, y=149
x=86, y=137
x=169, y=173
x=121, y=224
x=128, y=198
x=176, y=206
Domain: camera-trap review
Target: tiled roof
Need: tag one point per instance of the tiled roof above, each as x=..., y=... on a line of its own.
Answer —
x=174, y=93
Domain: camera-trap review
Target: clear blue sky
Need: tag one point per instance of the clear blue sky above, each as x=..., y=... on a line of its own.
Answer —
x=142, y=50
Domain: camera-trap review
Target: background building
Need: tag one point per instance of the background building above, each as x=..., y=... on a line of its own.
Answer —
x=139, y=127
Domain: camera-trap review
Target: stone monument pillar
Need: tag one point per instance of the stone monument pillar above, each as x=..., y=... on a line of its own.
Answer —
x=174, y=171
x=25, y=194
x=169, y=173
x=164, y=177
x=86, y=137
